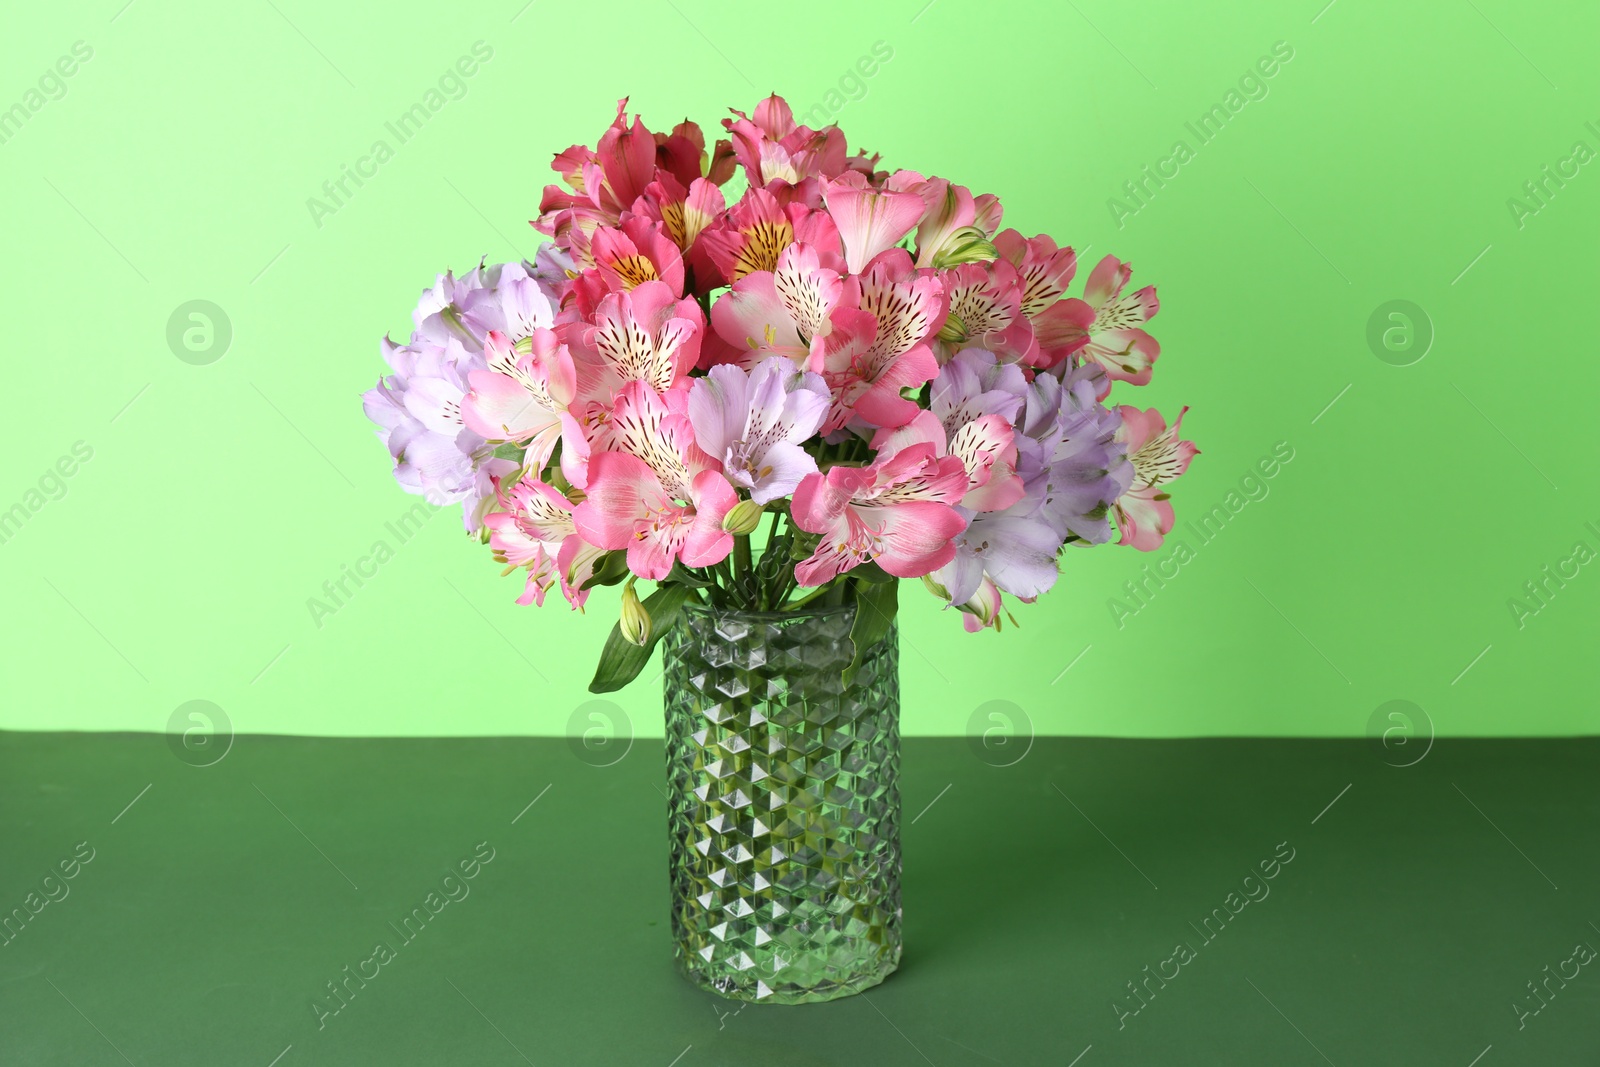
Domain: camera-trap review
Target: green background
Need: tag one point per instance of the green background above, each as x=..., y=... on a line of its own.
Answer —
x=178, y=163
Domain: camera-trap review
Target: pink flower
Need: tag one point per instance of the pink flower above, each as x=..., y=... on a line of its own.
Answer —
x=601, y=183
x=1144, y=514
x=782, y=312
x=771, y=148
x=878, y=344
x=644, y=334
x=624, y=163
x=896, y=512
x=536, y=531
x=1045, y=271
x=652, y=490
x=986, y=312
x=956, y=224
x=683, y=212
x=870, y=220
x=754, y=233
x=1114, y=337
x=637, y=252
x=522, y=397
x=984, y=443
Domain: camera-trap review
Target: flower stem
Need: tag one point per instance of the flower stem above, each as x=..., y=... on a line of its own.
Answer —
x=743, y=572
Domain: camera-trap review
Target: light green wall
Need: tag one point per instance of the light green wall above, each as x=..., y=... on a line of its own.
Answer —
x=1377, y=167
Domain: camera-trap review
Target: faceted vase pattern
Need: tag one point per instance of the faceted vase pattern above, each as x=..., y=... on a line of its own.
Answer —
x=785, y=804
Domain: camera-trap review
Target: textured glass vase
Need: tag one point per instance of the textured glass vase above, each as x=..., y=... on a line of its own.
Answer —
x=784, y=804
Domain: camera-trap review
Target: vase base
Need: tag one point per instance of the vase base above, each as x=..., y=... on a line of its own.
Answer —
x=758, y=991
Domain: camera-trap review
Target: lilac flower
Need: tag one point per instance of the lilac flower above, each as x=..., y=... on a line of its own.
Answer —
x=417, y=409
x=1087, y=467
x=754, y=421
x=1071, y=466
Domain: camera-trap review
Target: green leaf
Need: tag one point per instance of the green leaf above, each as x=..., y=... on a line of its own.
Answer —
x=876, y=604
x=621, y=660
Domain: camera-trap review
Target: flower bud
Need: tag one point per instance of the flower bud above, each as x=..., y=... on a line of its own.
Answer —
x=743, y=518
x=635, y=619
x=934, y=587
x=984, y=608
x=967, y=245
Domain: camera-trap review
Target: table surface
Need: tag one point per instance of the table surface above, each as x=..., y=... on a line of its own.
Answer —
x=1418, y=905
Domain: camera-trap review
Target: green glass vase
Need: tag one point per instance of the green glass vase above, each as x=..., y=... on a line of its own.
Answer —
x=784, y=804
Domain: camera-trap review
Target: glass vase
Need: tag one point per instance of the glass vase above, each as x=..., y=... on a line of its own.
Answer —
x=784, y=804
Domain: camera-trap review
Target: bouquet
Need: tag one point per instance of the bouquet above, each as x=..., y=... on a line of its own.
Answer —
x=773, y=376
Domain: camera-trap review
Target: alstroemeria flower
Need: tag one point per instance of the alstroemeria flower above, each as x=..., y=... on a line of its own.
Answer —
x=681, y=153
x=682, y=212
x=522, y=397
x=983, y=444
x=896, y=512
x=637, y=252
x=870, y=220
x=418, y=414
x=1059, y=324
x=782, y=312
x=981, y=610
x=1046, y=270
x=986, y=312
x=771, y=148
x=1079, y=466
x=1115, y=338
x=536, y=531
x=603, y=183
x=654, y=492
x=754, y=423
x=418, y=407
x=1144, y=513
x=645, y=334
x=624, y=163
x=753, y=234
x=1071, y=469
x=505, y=296
x=878, y=343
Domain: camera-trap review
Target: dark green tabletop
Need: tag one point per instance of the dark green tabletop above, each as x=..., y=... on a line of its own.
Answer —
x=1099, y=902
